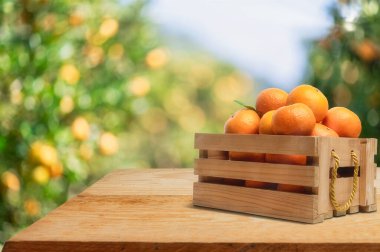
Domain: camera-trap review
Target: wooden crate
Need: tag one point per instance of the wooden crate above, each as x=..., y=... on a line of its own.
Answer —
x=214, y=169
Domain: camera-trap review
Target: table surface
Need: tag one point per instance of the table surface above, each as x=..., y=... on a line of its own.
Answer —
x=151, y=210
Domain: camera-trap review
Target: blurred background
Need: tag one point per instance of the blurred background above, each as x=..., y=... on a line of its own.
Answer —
x=91, y=86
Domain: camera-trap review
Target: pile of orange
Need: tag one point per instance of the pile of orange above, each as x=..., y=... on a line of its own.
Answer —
x=303, y=112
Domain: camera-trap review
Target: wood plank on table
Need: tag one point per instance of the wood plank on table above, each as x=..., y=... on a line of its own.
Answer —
x=100, y=220
x=144, y=182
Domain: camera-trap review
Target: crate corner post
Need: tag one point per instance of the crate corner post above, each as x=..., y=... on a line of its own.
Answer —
x=367, y=191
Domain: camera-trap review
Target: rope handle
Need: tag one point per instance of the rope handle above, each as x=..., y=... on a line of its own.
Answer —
x=345, y=206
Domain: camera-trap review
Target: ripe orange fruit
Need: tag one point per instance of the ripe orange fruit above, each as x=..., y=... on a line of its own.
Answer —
x=80, y=129
x=291, y=188
x=270, y=99
x=247, y=156
x=285, y=159
x=345, y=122
x=43, y=153
x=41, y=175
x=244, y=121
x=312, y=97
x=56, y=170
x=295, y=119
x=322, y=130
x=108, y=144
x=265, y=126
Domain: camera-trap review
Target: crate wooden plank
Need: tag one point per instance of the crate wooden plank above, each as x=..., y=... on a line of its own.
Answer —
x=267, y=172
x=343, y=148
x=324, y=171
x=290, y=206
x=302, y=145
x=353, y=209
x=203, y=154
x=367, y=174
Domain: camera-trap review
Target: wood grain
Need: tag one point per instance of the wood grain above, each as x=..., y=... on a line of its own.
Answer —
x=343, y=147
x=320, y=161
x=367, y=174
x=102, y=219
x=116, y=183
x=324, y=161
x=284, y=205
x=302, y=145
x=343, y=188
x=267, y=172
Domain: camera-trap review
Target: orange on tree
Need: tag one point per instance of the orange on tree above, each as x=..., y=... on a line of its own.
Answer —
x=10, y=181
x=80, y=129
x=270, y=99
x=244, y=121
x=43, y=153
x=56, y=170
x=322, y=130
x=265, y=126
x=108, y=144
x=41, y=175
x=343, y=121
x=295, y=119
x=312, y=97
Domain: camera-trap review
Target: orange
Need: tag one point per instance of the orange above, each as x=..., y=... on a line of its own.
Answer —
x=247, y=156
x=291, y=188
x=270, y=99
x=244, y=121
x=285, y=159
x=265, y=126
x=312, y=97
x=322, y=130
x=295, y=119
x=108, y=144
x=345, y=122
x=367, y=50
x=80, y=128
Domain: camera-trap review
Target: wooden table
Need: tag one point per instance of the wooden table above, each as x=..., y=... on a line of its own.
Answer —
x=151, y=210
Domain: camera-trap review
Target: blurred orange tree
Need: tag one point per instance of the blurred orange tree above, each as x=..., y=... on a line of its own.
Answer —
x=90, y=86
x=345, y=64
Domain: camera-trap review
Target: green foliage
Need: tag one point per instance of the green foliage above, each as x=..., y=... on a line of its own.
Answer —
x=86, y=87
x=345, y=64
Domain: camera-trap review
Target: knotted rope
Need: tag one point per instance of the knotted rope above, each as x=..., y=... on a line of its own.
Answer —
x=345, y=206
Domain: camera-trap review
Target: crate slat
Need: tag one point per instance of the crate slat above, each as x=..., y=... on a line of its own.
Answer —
x=343, y=148
x=301, y=145
x=324, y=160
x=266, y=172
x=290, y=206
x=367, y=174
